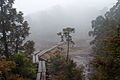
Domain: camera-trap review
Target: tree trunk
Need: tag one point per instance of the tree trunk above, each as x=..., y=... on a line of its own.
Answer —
x=5, y=42
x=4, y=31
x=67, y=51
x=16, y=49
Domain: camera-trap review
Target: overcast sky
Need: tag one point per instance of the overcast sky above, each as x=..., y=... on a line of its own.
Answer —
x=32, y=6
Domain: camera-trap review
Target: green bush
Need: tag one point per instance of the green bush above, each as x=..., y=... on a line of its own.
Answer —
x=62, y=70
x=24, y=67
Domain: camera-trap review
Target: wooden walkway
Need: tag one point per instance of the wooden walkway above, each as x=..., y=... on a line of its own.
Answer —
x=42, y=53
x=41, y=74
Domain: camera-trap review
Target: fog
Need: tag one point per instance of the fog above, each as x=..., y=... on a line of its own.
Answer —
x=32, y=6
x=47, y=17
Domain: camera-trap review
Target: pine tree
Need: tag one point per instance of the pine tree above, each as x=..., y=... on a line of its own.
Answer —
x=68, y=38
x=13, y=29
x=5, y=5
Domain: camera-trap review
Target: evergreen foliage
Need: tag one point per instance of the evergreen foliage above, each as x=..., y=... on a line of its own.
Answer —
x=13, y=29
x=66, y=33
x=106, y=45
x=24, y=67
x=60, y=70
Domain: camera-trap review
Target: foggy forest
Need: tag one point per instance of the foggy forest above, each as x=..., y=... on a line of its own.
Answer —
x=59, y=39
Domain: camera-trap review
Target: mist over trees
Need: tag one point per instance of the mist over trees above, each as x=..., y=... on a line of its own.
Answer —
x=106, y=45
x=47, y=23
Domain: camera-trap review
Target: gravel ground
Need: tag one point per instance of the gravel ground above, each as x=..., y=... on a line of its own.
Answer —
x=82, y=58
